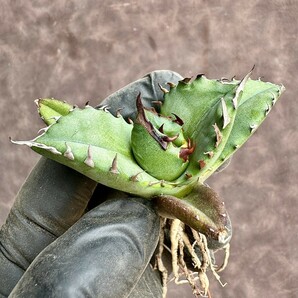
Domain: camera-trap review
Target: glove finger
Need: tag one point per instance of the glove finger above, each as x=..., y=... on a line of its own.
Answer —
x=103, y=255
x=51, y=200
x=124, y=100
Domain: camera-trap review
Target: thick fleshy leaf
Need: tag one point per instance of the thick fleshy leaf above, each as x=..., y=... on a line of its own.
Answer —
x=202, y=124
x=216, y=116
x=192, y=101
x=256, y=102
x=98, y=145
x=219, y=117
x=156, y=143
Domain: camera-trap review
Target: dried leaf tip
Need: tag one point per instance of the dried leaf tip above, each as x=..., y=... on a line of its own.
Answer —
x=32, y=143
x=240, y=88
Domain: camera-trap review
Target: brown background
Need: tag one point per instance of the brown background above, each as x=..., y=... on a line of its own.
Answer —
x=85, y=50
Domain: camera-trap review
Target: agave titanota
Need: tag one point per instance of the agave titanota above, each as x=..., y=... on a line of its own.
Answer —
x=165, y=155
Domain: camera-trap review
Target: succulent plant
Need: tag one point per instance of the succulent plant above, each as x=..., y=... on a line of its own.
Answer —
x=164, y=155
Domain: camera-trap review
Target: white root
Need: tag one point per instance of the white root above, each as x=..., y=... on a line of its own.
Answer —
x=191, y=278
x=175, y=234
x=226, y=258
x=181, y=243
x=159, y=263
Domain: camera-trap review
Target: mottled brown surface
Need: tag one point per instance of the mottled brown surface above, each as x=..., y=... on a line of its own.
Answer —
x=79, y=50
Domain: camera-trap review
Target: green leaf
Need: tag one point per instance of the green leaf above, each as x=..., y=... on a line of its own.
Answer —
x=256, y=102
x=98, y=145
x=219, y=117
x=50, y=109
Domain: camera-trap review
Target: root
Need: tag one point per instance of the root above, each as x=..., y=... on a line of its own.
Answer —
x=159, y=263
x=175, y=235
x=196, y=277
x=226, y=258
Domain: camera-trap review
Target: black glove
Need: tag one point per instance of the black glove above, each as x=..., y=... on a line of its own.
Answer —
x=51, y=247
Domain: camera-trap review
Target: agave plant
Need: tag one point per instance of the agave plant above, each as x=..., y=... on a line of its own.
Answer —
x=165, y=155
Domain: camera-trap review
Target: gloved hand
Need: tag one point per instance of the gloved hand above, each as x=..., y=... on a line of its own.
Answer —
x=66, y=236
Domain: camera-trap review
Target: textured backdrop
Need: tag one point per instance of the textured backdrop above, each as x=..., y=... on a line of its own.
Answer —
x=85, y=50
